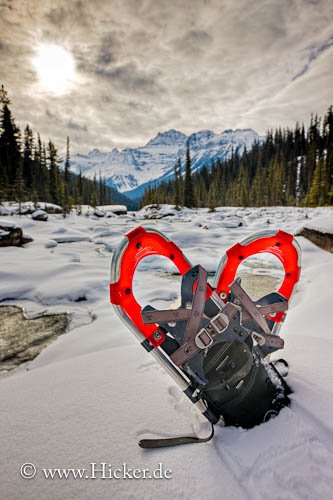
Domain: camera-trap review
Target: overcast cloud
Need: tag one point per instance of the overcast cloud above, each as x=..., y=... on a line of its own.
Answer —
x=145, y=66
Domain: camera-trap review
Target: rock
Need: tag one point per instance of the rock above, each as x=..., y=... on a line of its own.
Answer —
x=26, y=238
x=22, y=339
x=99, y=213
x=10, y=235
x=40, y=215
x=155, y=211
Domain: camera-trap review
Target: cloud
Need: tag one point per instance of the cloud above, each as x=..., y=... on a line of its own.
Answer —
x=193, y=43
x=76, y=126
x=313, y=54
x=145, y=66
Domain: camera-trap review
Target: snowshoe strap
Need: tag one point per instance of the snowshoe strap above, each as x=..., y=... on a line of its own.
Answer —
x=268, y=309
x=165, y=316
x=249, y=305
x=176, y=441
x=181, y=314
x=198, y=305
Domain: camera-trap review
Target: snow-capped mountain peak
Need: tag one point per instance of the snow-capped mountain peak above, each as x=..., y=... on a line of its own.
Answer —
x=170, y=138
x=133, y=169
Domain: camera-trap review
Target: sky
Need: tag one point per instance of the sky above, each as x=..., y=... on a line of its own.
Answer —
x=114, y=73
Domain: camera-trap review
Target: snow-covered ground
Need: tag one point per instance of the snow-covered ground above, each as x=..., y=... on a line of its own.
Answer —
x=91, y=395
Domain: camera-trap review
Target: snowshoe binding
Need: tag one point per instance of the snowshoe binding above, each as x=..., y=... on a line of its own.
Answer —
x=217, y=344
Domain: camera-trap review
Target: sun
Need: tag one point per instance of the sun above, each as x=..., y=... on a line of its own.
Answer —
x=55, y=68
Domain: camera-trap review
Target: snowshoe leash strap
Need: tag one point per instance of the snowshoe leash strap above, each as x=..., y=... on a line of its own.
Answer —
x=163, y=443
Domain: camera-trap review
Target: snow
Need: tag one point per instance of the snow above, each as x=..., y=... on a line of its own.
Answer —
x=5, y=223
x=91, y=395
x=11, y=208
x=49, y=206
x=322, y=224
x=6, y=211
x=122, y=209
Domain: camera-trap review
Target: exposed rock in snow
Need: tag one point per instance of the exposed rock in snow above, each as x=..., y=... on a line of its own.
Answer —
x=323, y=224
x=40, y=215
x=157, y=211
x=11, y=235
x=319, y=230
x=110, y=214
x=22, y=339
x=99, y=213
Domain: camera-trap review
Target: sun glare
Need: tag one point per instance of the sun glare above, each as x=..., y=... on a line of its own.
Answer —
x=55, y=67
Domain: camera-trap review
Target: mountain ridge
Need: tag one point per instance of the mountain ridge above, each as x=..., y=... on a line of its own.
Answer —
x=132, y=169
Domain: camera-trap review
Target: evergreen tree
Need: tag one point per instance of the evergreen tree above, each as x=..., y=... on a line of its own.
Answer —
x=101, y=189
x=177, y=184
x=283, y=169
x=243, y=186
x=28, y=157
x=4, y=185
x=94, y=197
x=328, y=145
x=53, y=170
x=212, y=196
x=67, y=201
x=315, y=192
x=10, y=155
x=44, y=192
x=189, y=200
x=19, y=188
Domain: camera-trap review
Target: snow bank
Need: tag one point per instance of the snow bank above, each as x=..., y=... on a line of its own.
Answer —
x=115, y=209
x=28, y=207
x=9, y=224
x=321, y=224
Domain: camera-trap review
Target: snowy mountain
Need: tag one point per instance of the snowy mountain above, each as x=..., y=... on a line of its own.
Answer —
x=132, y=169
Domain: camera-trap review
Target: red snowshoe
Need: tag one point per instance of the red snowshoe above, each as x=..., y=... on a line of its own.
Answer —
x=217, y=344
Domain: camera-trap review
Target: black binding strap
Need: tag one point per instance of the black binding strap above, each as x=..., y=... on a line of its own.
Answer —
x=163, y=443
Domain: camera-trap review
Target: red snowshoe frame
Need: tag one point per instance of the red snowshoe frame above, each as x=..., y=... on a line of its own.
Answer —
x=143, y=242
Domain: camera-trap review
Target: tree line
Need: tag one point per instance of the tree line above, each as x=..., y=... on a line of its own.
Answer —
x=30, y=169
x=289, y=167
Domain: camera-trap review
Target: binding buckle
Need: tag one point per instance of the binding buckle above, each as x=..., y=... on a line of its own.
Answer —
x=220, y=322
x=217, y=325
x=203, y=339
